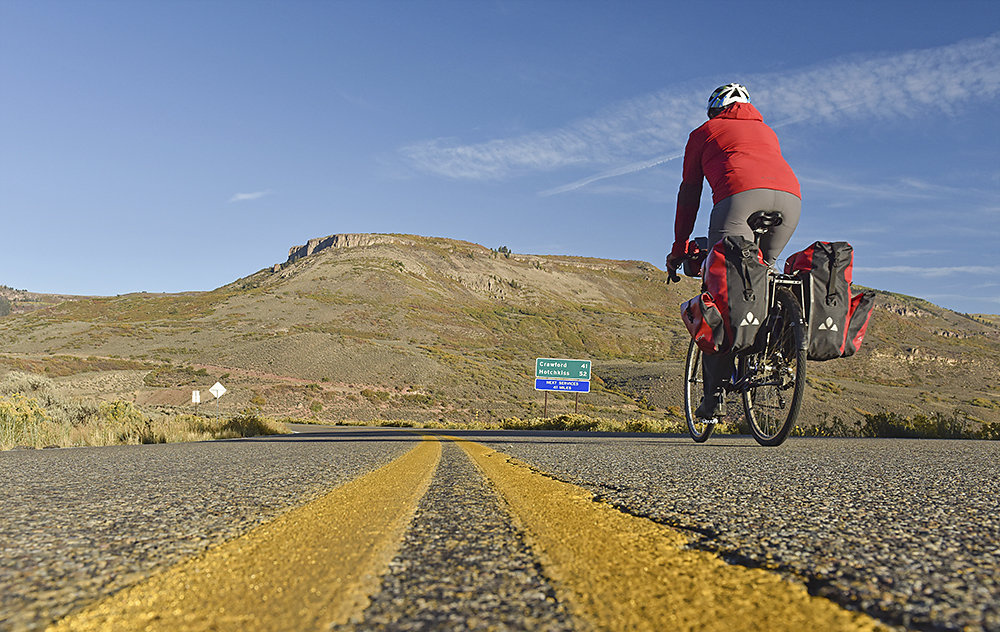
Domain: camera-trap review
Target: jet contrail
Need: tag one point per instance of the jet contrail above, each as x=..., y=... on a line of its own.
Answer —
x=620, y=171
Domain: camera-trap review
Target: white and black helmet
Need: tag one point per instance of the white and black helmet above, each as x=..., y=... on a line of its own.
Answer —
x=726, y=95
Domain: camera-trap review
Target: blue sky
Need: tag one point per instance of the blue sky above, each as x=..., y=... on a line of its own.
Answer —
x=170, y=146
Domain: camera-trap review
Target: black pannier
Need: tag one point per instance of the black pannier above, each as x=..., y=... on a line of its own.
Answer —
x=727, y=316
x=837, y=321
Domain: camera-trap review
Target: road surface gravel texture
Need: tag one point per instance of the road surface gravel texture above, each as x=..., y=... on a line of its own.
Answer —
x=463, y=565
x=79, y=524
x=907, y=531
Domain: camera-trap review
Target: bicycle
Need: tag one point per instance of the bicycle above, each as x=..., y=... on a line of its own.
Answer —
x=770, y=370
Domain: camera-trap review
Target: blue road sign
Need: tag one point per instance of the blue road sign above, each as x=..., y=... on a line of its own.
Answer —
x=568, y=386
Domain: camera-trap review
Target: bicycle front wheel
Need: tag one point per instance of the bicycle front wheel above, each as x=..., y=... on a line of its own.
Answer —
x=775, y=377
x=694, y=386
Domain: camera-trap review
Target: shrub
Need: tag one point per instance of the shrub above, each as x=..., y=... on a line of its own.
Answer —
x=248, y=423
x=989, y=430
x=827, y=427
x=418, y=398
x=22, y=420
x=171, y=377
x=19, y=382
x=126, y=424
x=375, y=396
x=887, y=424
x=560, y=422
x=585, y=423
x=985, y=403
x=941, y=426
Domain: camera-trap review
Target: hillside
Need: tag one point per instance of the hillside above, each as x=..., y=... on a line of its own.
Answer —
x=23, y=301
x=400, y=326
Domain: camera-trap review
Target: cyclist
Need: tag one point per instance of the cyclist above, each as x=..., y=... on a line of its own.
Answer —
x=740, y=157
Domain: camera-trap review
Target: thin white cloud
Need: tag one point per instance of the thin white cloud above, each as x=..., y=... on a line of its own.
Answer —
x=940, y=298
x=887, y=190
x=894, y=188
x=916, y=252
x=245, y=197
x=928, y=272
x=648, y=131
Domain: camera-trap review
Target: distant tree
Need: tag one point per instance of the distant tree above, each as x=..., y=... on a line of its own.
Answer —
x=4, y=306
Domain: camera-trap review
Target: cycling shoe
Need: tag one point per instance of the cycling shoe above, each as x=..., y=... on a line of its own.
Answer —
x=710, y=408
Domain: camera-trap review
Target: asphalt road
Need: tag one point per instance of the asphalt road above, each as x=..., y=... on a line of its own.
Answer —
x=463, y=565
x=79, y=524
x=905, y=530
x=908, y=531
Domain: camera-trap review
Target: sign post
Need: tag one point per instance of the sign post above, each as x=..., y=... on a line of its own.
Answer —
x=562, y=375
x=196, y=398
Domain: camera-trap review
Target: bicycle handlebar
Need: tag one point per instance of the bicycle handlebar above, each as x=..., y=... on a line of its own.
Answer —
x=697, y=251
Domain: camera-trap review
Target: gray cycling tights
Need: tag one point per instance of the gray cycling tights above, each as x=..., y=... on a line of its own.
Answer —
x=729, y=217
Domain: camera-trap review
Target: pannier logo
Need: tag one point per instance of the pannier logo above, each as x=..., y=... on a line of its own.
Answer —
x=750, y=320
x=828, y=325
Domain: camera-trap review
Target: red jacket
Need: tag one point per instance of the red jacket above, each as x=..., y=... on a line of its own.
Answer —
x=736, y=152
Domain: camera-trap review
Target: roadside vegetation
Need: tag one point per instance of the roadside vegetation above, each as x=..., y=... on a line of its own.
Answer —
x=34, y=413
x=871, y=425
x=583, y=423
x=887, y=424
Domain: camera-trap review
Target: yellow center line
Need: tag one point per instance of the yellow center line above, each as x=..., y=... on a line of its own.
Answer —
x=622, y=572
x=310, y=567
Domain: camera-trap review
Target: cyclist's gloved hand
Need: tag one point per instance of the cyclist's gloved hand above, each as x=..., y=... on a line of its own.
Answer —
x=673, y=262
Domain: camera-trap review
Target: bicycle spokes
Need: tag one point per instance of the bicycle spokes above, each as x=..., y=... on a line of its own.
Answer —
x=775, y=375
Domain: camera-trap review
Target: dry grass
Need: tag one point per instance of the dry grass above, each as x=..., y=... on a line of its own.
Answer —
x=572, y=422
x=34, y=413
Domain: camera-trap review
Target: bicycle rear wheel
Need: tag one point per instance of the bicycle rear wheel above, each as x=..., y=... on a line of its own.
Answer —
x=775, y=377
x=694, y=387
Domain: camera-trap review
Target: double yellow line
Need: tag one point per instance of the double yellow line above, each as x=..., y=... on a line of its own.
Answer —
x=311, y=566
x=317, y=564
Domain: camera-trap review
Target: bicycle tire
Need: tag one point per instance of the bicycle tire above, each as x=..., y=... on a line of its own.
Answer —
x=773, y=371
x=693, y=391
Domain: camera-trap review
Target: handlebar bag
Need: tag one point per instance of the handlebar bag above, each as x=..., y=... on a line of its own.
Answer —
x=734, y=278
x=837, y=320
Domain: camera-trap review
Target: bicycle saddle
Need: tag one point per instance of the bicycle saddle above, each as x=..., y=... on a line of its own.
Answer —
x=761, y=221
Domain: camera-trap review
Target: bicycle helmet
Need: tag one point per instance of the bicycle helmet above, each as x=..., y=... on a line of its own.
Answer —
x=726, y=95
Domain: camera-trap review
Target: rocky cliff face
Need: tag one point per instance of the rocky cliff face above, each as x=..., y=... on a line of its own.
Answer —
x=340, y=241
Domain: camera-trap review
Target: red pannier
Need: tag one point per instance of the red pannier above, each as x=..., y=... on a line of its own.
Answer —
x=837, y=321
x=727, y=315
x=703, y=320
